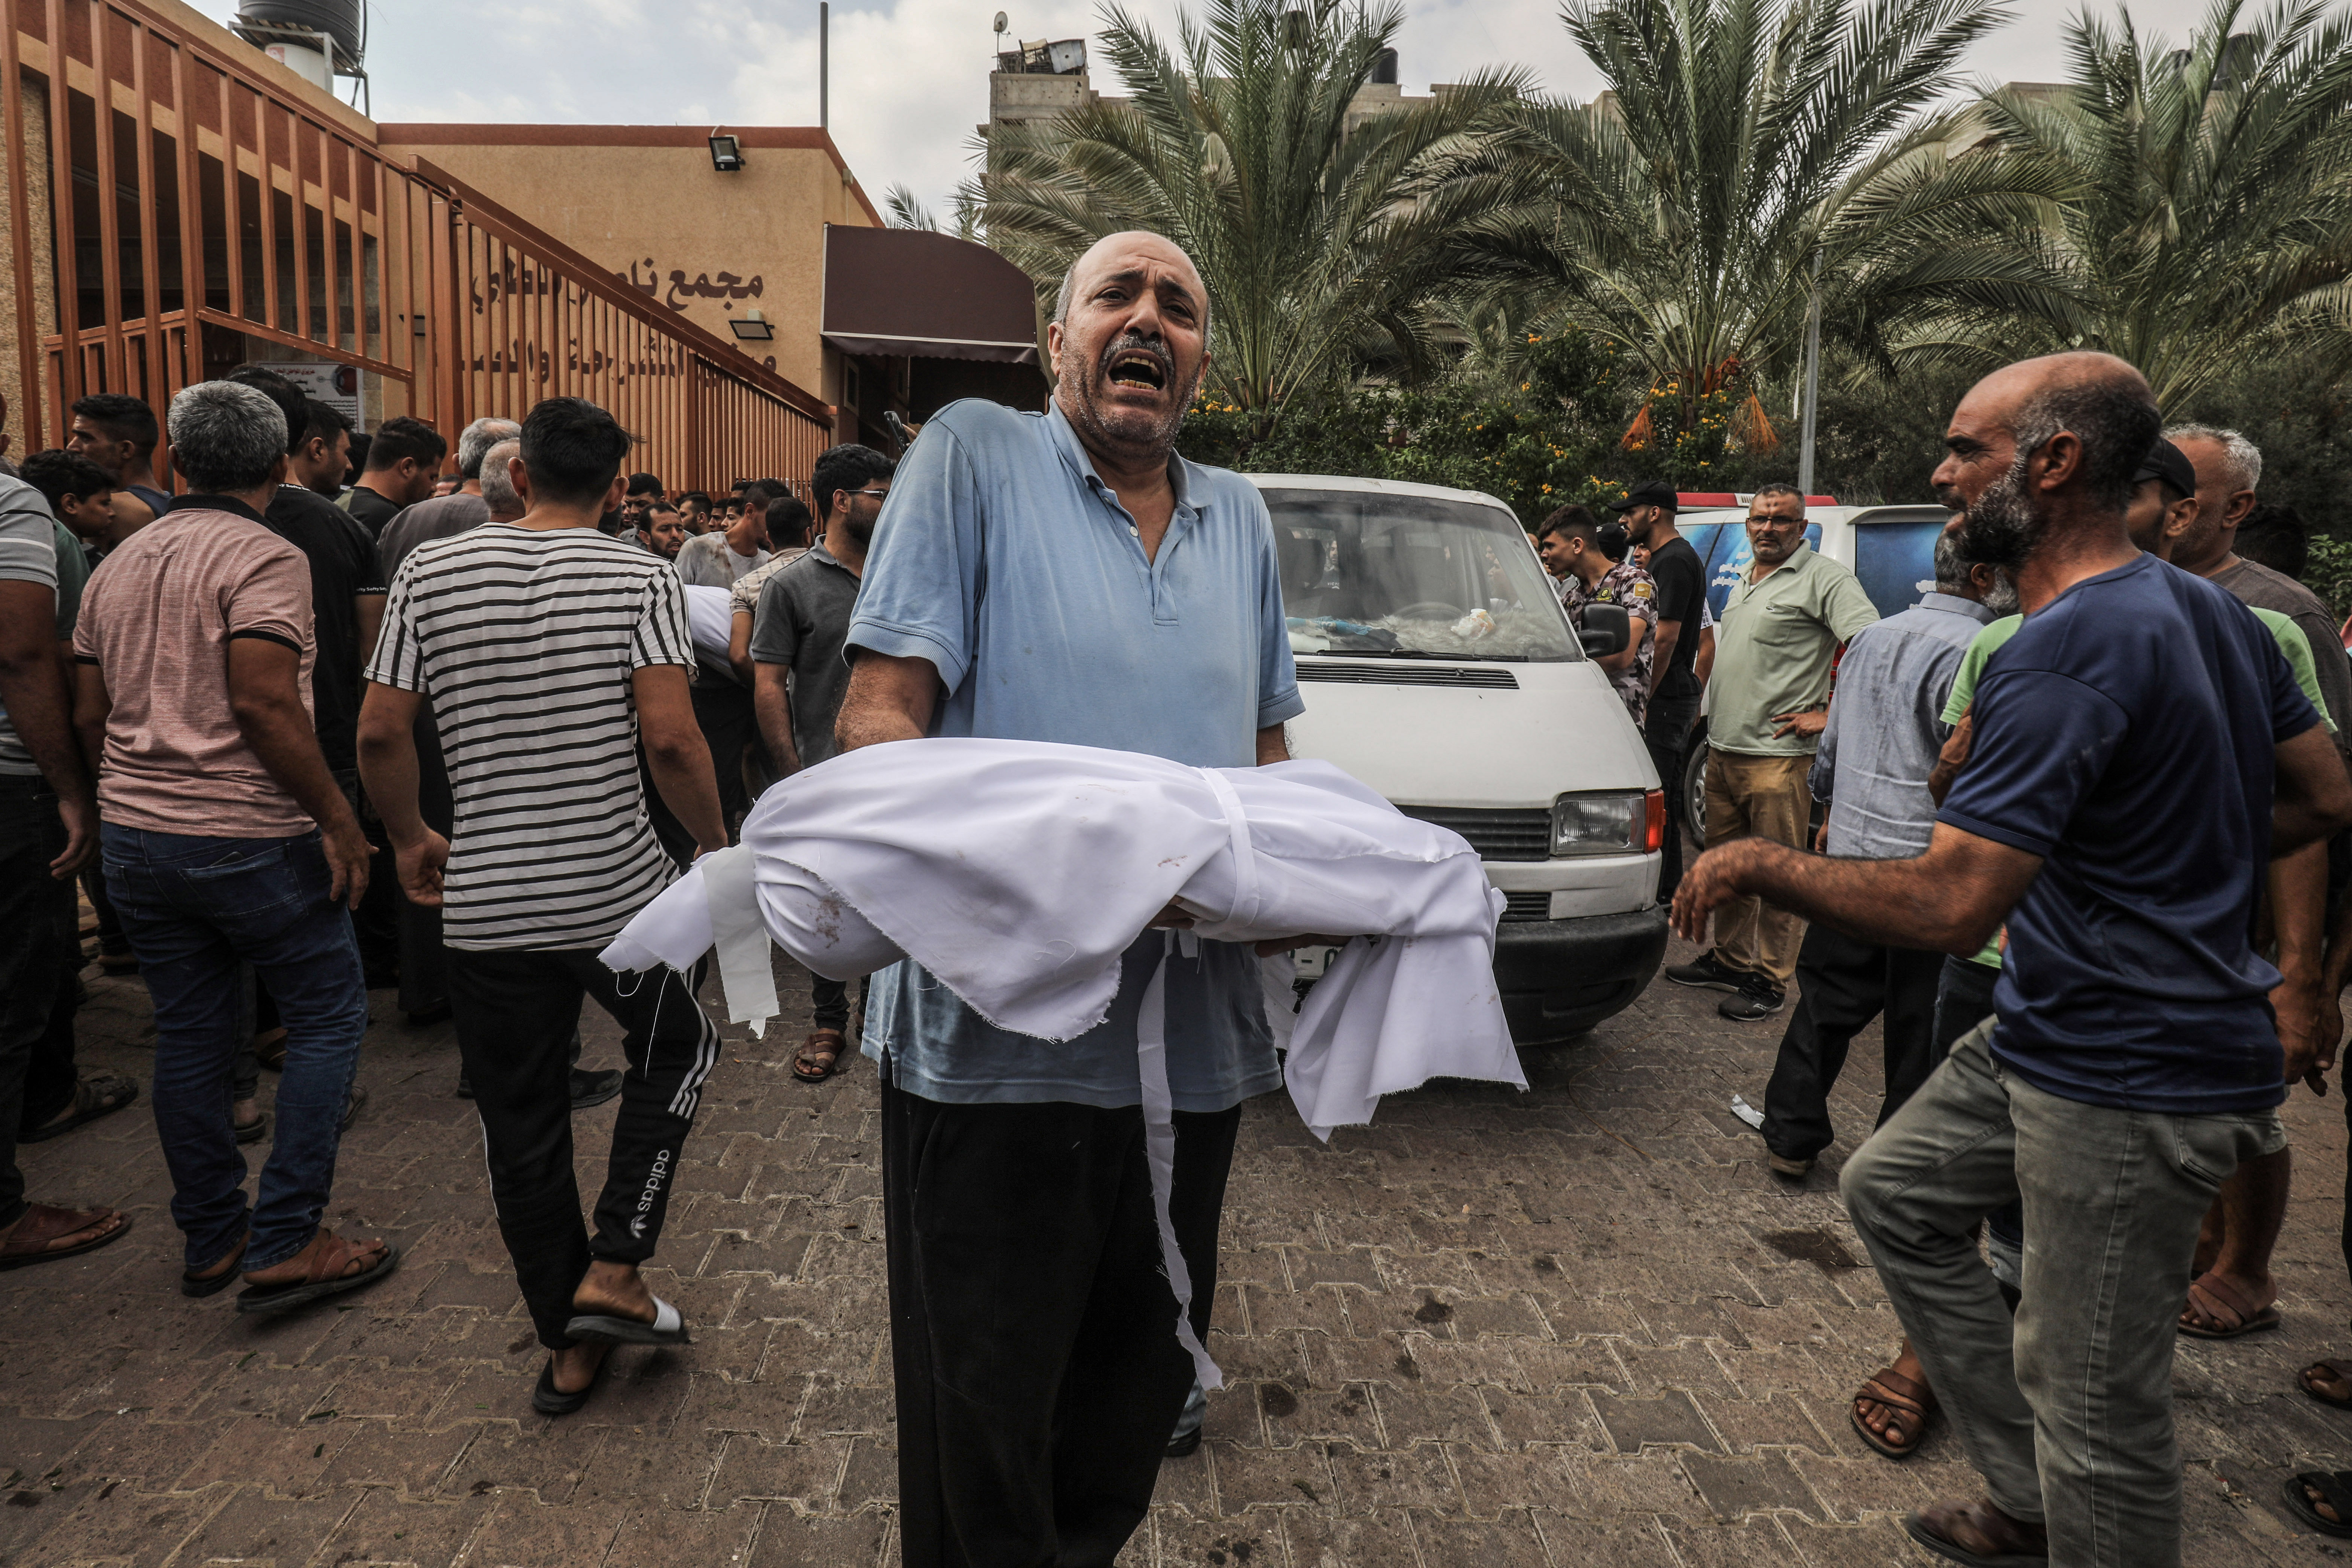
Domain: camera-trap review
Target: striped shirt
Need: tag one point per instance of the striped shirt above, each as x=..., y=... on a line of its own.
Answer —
x=525, y=640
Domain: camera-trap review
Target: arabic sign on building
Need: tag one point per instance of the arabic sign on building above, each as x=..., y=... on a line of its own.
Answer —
x=338, y=387
x=726, y=286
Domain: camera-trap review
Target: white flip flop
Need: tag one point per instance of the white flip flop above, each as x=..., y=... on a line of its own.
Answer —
x=666, y=1329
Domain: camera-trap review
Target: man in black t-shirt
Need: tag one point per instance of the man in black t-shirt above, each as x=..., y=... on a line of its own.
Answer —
x=1650, y=510
x=347, y=596
x=403, y=462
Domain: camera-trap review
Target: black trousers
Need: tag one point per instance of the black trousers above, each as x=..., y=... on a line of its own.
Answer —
x=1032, y=1332
x=40, y=954
x=723, y=710
x=423, y=961
x=1667, y=733
x=518, y=1013
x=829, y=1001
x=1845, y=984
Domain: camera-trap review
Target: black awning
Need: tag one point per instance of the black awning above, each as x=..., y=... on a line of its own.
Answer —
x=927, y=296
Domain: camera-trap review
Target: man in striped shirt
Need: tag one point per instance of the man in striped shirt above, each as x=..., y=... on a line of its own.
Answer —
x=548, y=650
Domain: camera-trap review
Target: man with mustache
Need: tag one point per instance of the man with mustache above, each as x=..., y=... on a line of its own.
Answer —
x=1063, y=576
x=2140, y=753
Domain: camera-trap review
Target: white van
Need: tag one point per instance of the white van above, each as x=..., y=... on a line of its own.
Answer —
x=1439, y=668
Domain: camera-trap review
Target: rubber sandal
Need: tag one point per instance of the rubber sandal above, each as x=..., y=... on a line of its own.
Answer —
x=93, y=1097
x=252, y=1131
x=193, y=1283
x=2337, y=1488
x=326, y=1278
x=666, y=1329
x=47, y=1222
x=1891, y=1388
x=2302, y=1381
x=2214, y=1296
x=813, y=1048
x=1922, y=1526
x=548, y=1400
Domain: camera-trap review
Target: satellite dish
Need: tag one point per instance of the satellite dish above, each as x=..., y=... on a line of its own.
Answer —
x=1001, y=23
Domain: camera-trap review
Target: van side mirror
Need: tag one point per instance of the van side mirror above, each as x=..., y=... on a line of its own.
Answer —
x=1605, y=629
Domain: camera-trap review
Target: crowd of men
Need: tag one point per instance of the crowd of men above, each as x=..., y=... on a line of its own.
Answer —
x=2073, y=826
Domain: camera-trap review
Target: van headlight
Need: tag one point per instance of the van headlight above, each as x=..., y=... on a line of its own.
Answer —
x=1609, y=822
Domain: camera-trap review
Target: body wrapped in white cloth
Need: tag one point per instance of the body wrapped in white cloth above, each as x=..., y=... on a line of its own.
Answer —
x=1018, y=872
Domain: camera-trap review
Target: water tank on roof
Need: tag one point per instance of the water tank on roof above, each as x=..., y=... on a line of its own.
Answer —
x=1384, y=70
x=338, y=18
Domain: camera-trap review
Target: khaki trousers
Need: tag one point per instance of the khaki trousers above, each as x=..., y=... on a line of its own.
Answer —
x=1757, y=797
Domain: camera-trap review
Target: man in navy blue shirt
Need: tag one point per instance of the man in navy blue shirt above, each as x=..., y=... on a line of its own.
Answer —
x=2141, y=753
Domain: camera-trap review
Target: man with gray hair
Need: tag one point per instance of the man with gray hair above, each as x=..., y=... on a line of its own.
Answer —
x=226, y=842
x=1132, y=601
x=466, y=507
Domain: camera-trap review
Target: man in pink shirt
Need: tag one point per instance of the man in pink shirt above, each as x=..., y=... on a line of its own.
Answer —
x=226, y=841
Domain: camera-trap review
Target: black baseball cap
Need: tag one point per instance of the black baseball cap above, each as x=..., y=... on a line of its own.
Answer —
x=1650, y=493
x=2166, y=462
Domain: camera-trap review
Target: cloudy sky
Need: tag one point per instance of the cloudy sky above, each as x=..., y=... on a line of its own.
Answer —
x=909, y=77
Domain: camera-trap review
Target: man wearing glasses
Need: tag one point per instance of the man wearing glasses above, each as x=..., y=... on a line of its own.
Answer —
x=1775, y=646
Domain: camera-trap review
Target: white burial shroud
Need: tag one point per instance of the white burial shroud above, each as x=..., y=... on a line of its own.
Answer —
x=1018, y=873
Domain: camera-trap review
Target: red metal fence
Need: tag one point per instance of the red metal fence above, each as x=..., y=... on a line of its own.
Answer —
x=208, y=205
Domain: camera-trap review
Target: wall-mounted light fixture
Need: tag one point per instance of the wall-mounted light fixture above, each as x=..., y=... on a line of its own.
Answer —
x=726, y=153
x=751, y=327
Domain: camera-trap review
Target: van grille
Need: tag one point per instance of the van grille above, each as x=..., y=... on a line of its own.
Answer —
x=1536, y=906
x=1524, y=833
x=1400, y=674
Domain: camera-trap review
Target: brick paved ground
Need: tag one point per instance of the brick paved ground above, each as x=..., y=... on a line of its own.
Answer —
x=1493, y=1331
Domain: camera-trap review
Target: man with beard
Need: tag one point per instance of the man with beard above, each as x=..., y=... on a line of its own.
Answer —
x=798, y=630
x=1064, y=576
x=2138, y=732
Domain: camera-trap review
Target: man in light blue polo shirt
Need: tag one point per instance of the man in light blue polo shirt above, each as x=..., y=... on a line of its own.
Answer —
x=1063, y=576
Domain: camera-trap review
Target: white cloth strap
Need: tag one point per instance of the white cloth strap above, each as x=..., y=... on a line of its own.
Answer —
x=1159, y=1147
x=739, y=936
x=1245, y=894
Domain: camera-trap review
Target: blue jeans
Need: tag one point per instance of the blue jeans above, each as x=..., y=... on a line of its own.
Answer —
x=195, y=910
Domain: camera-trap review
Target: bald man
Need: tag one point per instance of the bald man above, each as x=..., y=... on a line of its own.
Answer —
x=1063, y=576
x=2141, y=751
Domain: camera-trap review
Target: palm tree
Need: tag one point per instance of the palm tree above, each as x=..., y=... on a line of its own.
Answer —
x=1748, y=153
x=2205, y=198
x=908, y=211
x=1322, y=246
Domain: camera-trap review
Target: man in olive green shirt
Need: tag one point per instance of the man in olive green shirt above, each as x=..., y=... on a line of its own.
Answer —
x=1774, y=647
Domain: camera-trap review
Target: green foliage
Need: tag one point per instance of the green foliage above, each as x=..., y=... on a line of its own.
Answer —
x=1322, y=248
x=2329, y=576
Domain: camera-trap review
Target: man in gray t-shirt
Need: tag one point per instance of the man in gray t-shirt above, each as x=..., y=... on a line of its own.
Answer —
x=799, y=675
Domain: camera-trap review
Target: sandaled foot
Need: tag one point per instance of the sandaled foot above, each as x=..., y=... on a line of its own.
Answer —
x=813, y=1063
x=269, y=1048
x=329, y=1265
x=2322, y=1500
x=214, y=1278
x=569, y=1377
x=98, y=1094
x=2329, y=1382
x=1977, y=1533
x=1890, y=1412
x=45, y=1232
x=612, y=1306
x=2221, y=1308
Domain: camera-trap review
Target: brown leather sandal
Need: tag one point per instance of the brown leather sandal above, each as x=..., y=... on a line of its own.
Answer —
x=1912, y=1402
x=2341, y=1371
x=45, y=1222
x=823, y=1048
x=2217, y=1300
x=324, y=1275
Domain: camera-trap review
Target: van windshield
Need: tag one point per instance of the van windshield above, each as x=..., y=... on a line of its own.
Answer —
x=1367, y=574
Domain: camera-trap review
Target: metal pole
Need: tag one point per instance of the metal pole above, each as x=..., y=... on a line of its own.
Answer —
x=824, y=65
x=1812, y=382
